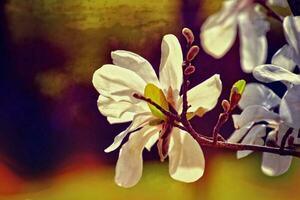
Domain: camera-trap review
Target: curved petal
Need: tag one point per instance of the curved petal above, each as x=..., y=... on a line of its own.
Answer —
x=138, y=121
x=120, y=109
x=170, y=69
x=252, y=32
x=291, y=27
x=186, y=159
x=238, y=134
x=271, y=73
x=273, y=164
x=218, y=32
x=254, y=137
x=152, y=141
x=258, y=94
x=130, y=163
x=135, y=63
x=256, y=113
x=118, y=83
x=290, y=107
x=284, y=57
x=204, y=97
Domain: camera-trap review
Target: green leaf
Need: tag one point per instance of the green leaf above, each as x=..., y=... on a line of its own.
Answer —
x=156, y=95
x=238, y=87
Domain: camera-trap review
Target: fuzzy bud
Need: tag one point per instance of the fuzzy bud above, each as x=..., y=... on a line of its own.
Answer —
x=226, y=105
x=192, y=53
x=189, y=70
x=188, y=34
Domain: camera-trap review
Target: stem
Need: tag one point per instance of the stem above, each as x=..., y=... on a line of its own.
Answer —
x=295, y=7
x=239, y=147
x=223, y=117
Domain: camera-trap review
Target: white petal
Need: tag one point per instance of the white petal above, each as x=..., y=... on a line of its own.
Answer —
x=135, y=63
x=170, y=69
x=218, y=32
x=275, y=165
x=271, y=73
x=256, y=113
x=118, y=83
x=253, y=137
x=284, y=57
x=205, y=95
x=290, y=107
x=238, y=134
x=186, y=159
x=252, y=32
x=120, y=109
x=138, y=121
x=152, y=141
x=130, y=163
x=258, y=94
x=291, y=26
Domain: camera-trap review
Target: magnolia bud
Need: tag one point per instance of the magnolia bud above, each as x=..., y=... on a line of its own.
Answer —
x=189, y=70
x=192, y=53
x=188, y=34
x=226, y=105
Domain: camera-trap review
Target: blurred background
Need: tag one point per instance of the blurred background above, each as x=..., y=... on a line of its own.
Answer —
x=52, y=137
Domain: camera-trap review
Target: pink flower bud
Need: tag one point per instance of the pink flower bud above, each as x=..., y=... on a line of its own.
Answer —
x=188, y=34
x=189, y=70
x=192, y=53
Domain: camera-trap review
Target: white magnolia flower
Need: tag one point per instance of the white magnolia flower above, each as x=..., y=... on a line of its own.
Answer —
x=133, y=74
x=257, y=102
x=286, y=58
x=219, y=31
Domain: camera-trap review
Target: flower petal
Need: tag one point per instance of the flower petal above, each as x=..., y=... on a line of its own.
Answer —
x=238, y=134
x=204, y=96
x=118, y=83
x=273, y=164
x=291, y=27
x=170, y=69
x=258, y=94
x=284, y=57
x=186, y=159
x=151, y=141
x=290, y=107
x=255, y=113
x=218, y=32
x=271, y=73
x=130, y=163
x=120, y=109
x=254, y=137
x=253, y=49
x=138, y=121
x=135, y=63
